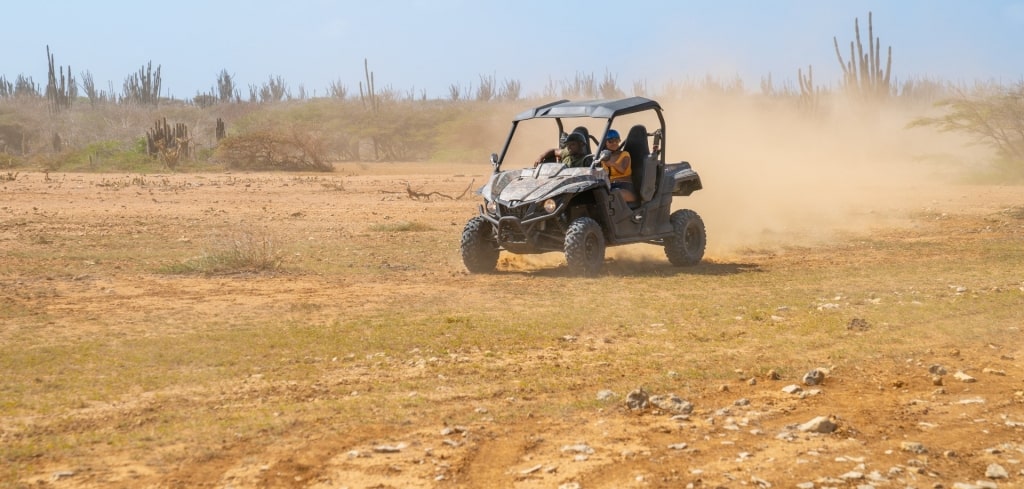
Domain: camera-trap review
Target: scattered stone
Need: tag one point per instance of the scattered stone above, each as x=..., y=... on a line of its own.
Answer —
x=937, y=370
x=773, y=375
x=936, y=380
x=62, y=474
x=451, y=430
x=962, y=377
x=578, y=448
x=752, y=381
x=570, y=485
x=723, y=388
x=389, y=448
x=821, y=424
x=852, y=475
x=976, y=485
x=605, y=395
x=993, y=371
x=672, y=403
x=792, y=389
x=858, y=324
x=638, y=399
x=741, y=402
x=531, y=469
x=814, y=377
x=913, y=447
x=805, y=485
x=677, y=446
x=996, y=471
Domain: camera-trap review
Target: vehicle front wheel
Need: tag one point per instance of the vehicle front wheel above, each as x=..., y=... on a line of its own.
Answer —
x=584, y=247
x=686, y=245
x=479, y=248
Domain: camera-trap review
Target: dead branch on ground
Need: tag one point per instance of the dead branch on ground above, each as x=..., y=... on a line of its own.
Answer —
x=418, y=195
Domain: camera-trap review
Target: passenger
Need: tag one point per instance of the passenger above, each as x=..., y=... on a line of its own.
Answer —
x=572, y=155
x=619, y=165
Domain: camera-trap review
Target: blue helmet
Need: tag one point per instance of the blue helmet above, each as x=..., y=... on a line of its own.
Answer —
x=612, y=134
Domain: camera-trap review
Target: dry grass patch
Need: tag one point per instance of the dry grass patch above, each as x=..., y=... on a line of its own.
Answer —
x=238, y=251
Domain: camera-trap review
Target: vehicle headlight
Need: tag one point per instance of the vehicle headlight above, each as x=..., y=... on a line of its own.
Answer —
x=492, y=207
x=550, y=205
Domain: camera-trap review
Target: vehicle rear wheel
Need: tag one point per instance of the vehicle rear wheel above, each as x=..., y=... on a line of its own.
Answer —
x=479, y=248
x=584, y=247
x=686, y=245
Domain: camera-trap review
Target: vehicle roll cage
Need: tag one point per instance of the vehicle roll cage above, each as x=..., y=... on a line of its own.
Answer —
x=595, y=109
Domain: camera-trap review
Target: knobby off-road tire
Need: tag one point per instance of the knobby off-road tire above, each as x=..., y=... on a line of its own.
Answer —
x=686, y=246
x=584, y=247
x=479, y=248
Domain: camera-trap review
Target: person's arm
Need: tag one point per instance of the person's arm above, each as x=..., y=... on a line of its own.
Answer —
x=547, y=155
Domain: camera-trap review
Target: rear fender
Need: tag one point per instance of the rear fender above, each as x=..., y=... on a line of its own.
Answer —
x=684, y=180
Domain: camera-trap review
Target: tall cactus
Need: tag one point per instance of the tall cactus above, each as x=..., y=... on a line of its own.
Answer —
x=369, y=98
x=59, y=91
x=143, y=88
x=863, y=73
x=808, y=93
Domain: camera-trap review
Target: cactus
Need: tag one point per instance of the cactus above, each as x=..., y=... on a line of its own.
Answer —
x=59, y=92
x=370, y=97
x=171, y=145
x=808, y=94
x=863, y=73
x=143, y=87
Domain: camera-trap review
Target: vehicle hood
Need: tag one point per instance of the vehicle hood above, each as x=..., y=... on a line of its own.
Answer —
x=531, y=184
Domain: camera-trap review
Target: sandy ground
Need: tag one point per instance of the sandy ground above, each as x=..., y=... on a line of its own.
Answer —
x=895, y=427
x=62, y=279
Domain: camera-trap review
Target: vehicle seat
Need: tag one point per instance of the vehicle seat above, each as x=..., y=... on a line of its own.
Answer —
x=638, y=148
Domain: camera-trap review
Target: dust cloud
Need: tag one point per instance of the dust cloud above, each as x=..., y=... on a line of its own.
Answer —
x=775, y=177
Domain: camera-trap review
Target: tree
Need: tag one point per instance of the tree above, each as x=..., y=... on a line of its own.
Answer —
x=993, y=116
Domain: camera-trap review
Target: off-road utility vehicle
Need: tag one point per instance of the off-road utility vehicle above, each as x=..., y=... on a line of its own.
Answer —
x=550, y=207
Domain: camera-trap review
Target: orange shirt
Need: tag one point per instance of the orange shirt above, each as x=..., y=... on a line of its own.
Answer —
x=619, y=166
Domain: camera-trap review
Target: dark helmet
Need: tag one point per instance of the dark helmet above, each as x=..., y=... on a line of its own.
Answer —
x=579, y=138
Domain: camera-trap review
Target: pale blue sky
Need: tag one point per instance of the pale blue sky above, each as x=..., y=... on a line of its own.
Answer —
x=429, y=45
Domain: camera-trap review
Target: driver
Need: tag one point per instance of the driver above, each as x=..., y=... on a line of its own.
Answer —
x=572, y=155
